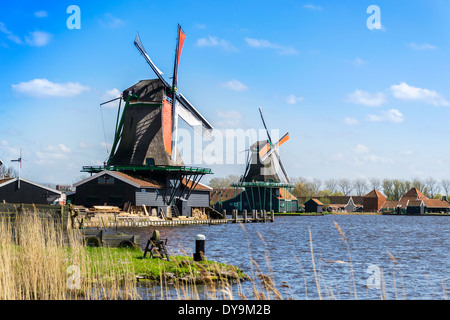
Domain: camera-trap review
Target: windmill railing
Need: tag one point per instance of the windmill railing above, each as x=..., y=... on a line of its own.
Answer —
x=183, y=169
x=262, y=184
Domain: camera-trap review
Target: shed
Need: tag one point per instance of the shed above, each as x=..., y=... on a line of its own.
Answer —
x=19, y=190
x=313, y=205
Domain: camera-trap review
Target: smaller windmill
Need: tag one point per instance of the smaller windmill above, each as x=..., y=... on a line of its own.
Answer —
x=265, y=179
x=264, y=163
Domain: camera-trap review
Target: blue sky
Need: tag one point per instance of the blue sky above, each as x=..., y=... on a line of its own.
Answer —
x=356, y=102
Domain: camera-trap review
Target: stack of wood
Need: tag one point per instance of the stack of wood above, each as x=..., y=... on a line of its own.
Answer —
x=197, y=214
x=105, y=209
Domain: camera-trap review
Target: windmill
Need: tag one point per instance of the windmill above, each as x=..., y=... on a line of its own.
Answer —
x=265, y=179
x=145, y=135
x=264, y=163
x=147, y=130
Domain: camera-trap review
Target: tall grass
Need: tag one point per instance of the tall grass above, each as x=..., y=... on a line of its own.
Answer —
x=39, y=261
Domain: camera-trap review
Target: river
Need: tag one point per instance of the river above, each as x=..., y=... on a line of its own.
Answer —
x=371, y=257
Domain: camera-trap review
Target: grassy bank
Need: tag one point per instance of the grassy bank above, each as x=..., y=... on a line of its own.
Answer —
x=40, y=261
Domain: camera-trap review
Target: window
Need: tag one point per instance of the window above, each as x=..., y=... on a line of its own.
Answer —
x=105, y=180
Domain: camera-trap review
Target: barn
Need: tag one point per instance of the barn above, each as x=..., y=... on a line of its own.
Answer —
x=19, y=190
x=313, y=205
x=116, y=188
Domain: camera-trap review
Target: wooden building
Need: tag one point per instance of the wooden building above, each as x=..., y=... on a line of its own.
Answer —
x=116, y=188
x=415, y=202
x=313, y=205
x=264, y=198
x=373, y=201
x=19, y=190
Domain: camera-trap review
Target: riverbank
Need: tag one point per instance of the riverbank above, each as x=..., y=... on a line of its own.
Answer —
x=176, y=270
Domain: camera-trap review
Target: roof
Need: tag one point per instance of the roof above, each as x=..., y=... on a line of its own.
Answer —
x=221, y=195
x=138, y=181
x=5, y=182
x=286, y=195
x=415, y=194
x=315, y=201
x=375, y=194
x=436, y=203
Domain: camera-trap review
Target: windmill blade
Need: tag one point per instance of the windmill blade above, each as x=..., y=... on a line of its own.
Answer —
x=140, y=47
x=192, y=117
x=264, y=123
x=282, y=172
x=180, y=41
x=265, y=152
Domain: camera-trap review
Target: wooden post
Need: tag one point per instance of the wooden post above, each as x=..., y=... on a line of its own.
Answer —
x=273, y=216
x=199, y=247
x=244, y=214
x=264, y=216
x=234, y=215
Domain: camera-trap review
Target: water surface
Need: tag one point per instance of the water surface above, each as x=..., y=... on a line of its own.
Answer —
x=392, y=257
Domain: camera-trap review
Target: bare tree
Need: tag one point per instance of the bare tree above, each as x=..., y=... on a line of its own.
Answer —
x=445, y=184
x=314, y=185
x=331, y=184
x=375, y=183
x=223, y=182
x=432, y=187
x=360, y=186
x=345, y=186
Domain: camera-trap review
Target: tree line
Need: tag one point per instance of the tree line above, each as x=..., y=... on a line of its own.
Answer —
x=393, y=189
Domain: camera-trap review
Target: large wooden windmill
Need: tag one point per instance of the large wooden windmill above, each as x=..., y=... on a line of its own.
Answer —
x=145, y=138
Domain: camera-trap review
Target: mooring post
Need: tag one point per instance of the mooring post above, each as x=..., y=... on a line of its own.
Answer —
x=244, y=214
x=255, y=215
x=264, y=215
x=224, y=214
x=199, y=247
x=273, y=216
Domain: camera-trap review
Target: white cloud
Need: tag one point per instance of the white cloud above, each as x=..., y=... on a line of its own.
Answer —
x=350, y=121
x=392, y=115
x=229, y=119
x=110, y=21
x=215, y=42
x=261, y=43
x=42, y=88
x=234, y=85
x=360, y=148
x=312, y=7
x=404, y=91
x=421, y=46
x=292, y=99
x=85, y=145
x=41, y=14
x=366, y=98
x=52, y=153
x=11, y=36
x=358, y=62
x=377, y=159
x=38, y=38
x=111, y=94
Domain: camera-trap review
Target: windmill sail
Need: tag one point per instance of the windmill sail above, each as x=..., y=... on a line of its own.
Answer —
x=180, y=41
x=140, y=47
